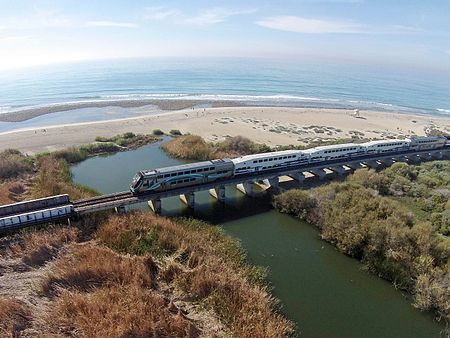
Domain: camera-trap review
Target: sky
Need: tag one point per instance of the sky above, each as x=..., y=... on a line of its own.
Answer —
x=413, y=33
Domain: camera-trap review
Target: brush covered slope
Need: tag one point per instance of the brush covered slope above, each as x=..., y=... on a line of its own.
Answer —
x=395, y=221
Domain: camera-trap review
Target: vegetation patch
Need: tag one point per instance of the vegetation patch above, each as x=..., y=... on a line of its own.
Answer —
x=193, y=147
x=14, y=317
x=14, y=164
x=367, y=218
x=204, y=264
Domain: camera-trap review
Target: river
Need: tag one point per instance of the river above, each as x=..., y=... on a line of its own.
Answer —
x=325, y=293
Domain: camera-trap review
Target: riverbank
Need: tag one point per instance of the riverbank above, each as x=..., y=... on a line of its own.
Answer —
x=151, y=275
x=396, y=222
x=266, y=125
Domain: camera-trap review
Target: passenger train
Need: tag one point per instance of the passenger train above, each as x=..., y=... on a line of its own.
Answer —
x=209, y=171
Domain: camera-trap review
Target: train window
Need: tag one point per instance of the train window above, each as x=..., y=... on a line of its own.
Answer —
x=173, y=174
x=265, y=160
x=255, y=161
x=192, y=179
x=173, y=183
x=212, y=168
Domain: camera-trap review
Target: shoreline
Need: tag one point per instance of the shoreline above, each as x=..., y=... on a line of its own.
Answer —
x=270, y=125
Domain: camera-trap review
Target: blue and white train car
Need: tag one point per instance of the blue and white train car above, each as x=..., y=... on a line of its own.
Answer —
x=268, y=161
x=181, y=175
x=35, y=217
x=332, y=152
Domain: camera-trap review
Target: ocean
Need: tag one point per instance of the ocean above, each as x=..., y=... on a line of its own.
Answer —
x=277, y=82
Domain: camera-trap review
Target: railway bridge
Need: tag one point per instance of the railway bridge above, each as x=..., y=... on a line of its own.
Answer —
x=13, y=217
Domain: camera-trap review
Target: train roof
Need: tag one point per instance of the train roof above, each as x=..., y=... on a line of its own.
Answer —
x=265, y=155
x=182, y=167
x=333, y=146
x=371, y=143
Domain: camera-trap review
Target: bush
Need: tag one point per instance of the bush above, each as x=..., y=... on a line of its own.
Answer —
x=175, y=132
x=158, y=132
x=189, y=147
x=13, y=164
x=295, y=202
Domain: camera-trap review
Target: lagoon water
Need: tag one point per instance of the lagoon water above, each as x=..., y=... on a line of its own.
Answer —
x=324, y=292
x=285, y=82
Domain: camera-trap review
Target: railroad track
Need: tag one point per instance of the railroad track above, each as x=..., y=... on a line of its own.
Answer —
x=102, y=199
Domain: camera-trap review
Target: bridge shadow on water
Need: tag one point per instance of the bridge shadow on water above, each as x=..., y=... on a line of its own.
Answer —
x=237, y=205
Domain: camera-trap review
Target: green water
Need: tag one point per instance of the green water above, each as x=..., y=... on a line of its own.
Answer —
x=324, y=292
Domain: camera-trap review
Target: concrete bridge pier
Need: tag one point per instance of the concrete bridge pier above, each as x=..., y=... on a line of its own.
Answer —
x=387, y=162
x=188, y=199
x=273, y=184
x=353, y=165
x=246, y=188
x=155, y=205
x=120, y=209
x=437, y=155
x=372, y=164
x=338, y=170
x=319, y=173
x=413, y=159
x=218, y=193
x=299, y=177
x=426, y=156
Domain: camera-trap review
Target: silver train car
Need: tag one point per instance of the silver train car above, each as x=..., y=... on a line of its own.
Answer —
x=35, y=217
x=40, y=203
x=181, y=175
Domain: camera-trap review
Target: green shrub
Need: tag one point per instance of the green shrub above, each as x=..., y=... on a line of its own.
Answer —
x=175, y=132
x=158, y=132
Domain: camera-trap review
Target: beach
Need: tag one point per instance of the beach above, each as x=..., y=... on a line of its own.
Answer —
x=269, y=125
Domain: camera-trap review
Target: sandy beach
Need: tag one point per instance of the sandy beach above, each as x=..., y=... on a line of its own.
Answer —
x=270, y=125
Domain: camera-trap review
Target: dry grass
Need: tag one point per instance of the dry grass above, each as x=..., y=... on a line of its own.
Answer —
x=54, y=178
x=38, y=247
x=86, y=267
x=189, y=147
x=97, y=292
x=193, y=147
x=117, y=311
x=11, y=192
x=13, y=164
x=208, y=266
x=14, y=317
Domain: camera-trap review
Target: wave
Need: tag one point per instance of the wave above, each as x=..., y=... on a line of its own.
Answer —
x=442, y=110
x=276, y=99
